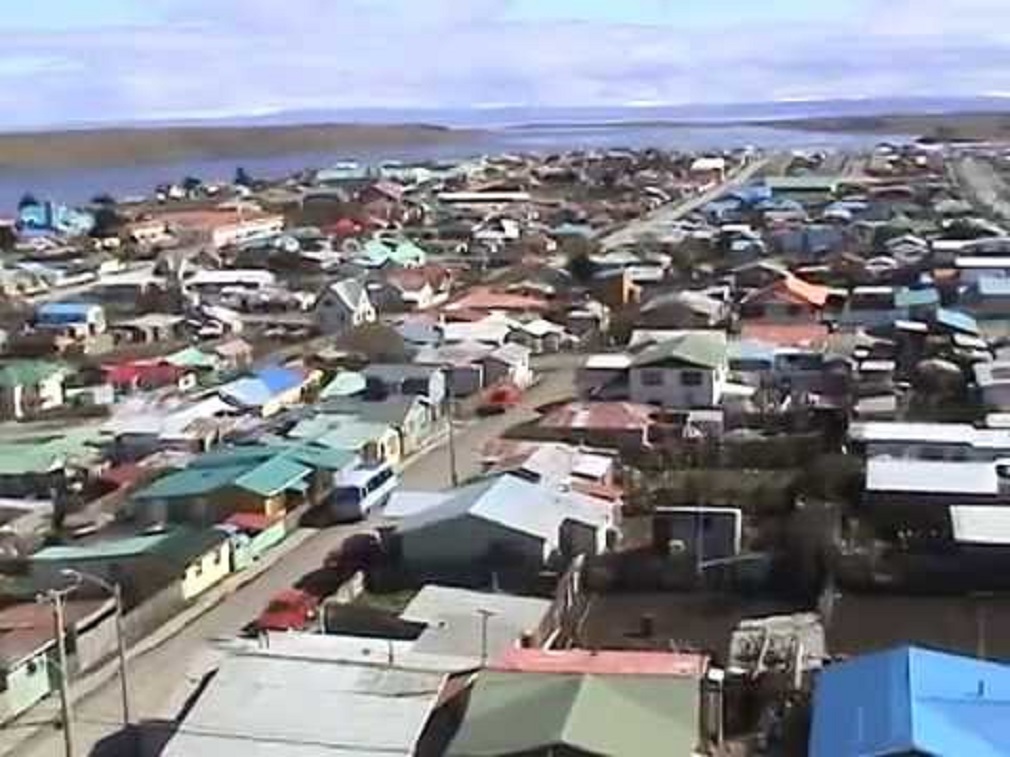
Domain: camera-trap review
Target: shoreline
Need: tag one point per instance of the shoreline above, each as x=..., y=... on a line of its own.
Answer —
x=102, y=147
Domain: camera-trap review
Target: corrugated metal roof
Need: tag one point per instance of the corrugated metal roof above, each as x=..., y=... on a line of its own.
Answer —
x=931, y=477
x=267, y=704
x=705, y=349
x=980, y=524
x=273, y=477
x=619, y=715
x=912, y=700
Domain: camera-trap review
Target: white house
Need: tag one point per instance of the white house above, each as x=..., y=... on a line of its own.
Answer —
x=343, y=305
x=689, y=370
x=509, y=363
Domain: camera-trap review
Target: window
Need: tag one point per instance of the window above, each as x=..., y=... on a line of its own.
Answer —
x=690, y=378
x=652, y=377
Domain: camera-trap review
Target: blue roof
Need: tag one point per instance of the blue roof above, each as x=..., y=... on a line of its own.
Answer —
x=279, y=380
x=956, y=320
x=994, y=286
x=910, y=700
x=63, y=312
x=910, y=298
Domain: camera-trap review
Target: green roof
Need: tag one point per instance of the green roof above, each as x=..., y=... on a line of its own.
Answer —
x=705, y=349
x=617, y=715
x=273, y=476
x=193, y=482
x=191, y=357
x=41, y=454
x=344, y=384
x=178, y=544
x=408, y=252
x=27, y=372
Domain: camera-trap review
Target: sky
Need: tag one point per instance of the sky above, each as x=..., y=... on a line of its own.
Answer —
x=126, y=60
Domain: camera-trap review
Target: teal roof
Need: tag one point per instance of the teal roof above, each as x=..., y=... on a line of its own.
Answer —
x=274, y=476
x=27, y=372
x=42, y=454
x=192, y=482
x=353, y=435
x=191, y=357
x=344, y=384
x=178, y=544
x=408, y=253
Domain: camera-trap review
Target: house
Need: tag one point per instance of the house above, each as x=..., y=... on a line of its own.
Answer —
x=503, y=522
x=541, y=336
x=221, y=227
x=408, y=379
x=77, y=320
x=691, y=369
x=263, y=479
x=409, y=415
x=787, y=300
x=28, y=387
x=604, y=375
x=343, y=305
x=33, y=465
x=27, y=648
x=151, y=328
x=929, y=441
x=409, y=289
x=482, y=298
x=234, y=355
x=509, y=363
x=141, y=426
x=128, y=377
x=546, y=713
x=608, y=425
x=192, y=560
x=464, y=363
x=376, y=695
x=911, y=700
x=268, y=390
x=374, y=442
x=491, y=330
x=708, y=170
x=683, y=310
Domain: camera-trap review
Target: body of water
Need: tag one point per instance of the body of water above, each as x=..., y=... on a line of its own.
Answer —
x=78, y=185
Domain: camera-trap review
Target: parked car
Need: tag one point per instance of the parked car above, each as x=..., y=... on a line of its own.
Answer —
x=498, y=399
x=291, y=610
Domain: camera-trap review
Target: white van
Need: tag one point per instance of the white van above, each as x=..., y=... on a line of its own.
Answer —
x=360, y=490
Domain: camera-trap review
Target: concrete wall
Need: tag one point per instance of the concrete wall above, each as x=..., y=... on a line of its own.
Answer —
x=96, y=642
x=26, y=685
x=206, y=571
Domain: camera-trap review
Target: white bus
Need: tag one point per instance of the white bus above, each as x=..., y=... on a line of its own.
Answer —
x=360, y=490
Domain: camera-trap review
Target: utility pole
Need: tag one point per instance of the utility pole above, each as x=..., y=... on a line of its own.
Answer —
x=485, y=617
x=449, y=401
x=56, y=597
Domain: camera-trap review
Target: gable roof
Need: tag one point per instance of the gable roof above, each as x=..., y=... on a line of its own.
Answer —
x=521, y=713
x=705, y=349
x=511, y=502
x=793, y=288
x=27, y=372
x=912, y=700
x=349, y=292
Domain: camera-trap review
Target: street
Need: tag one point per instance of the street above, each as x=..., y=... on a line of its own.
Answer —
x=162, y=679
x=655, y=222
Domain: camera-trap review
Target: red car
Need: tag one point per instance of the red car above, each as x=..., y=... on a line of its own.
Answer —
x=291, y=610
x=499, y=398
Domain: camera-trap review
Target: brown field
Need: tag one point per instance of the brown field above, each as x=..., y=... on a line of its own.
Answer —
x=99, y=147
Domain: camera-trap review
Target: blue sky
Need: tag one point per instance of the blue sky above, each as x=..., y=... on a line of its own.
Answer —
x=86, y=60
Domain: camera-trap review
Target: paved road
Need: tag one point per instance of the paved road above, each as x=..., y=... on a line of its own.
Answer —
x=654, y=222
x=164, y=677
x=983, y=184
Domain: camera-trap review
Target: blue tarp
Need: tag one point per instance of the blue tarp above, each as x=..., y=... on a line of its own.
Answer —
x=912, y=700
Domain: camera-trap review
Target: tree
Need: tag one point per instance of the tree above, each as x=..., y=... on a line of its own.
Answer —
x=376, y=341
x=103, y=199
x=191, y=184
x=27, y=201
x=582, y=268
x=242, y=178
x=108, y=223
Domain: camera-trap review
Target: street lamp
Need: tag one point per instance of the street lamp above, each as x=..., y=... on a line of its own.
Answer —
x=115, y=590
x=57, y=598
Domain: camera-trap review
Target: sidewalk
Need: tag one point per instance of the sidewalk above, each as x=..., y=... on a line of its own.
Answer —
x=31, y=723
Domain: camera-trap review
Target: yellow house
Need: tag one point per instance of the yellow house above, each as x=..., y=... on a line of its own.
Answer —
x=191, y=558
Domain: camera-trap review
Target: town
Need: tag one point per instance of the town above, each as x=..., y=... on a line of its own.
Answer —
x=602, y=452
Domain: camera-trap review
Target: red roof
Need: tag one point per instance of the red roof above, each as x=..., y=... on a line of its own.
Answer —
x=792, y=289
x=615, y=416
x=251, y=521
x=679, y=664
x=485, y=298
x=786, y=334
x=146, y=373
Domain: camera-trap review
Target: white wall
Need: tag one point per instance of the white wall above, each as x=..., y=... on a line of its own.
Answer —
x=671, y=391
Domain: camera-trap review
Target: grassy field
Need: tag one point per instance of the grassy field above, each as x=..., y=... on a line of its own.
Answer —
x=100, y=147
